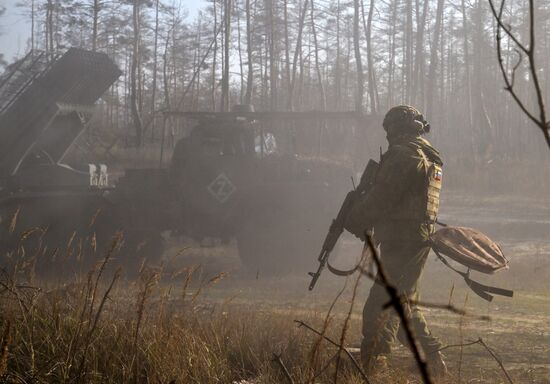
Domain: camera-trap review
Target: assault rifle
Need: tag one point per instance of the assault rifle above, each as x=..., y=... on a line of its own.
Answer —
x=337, y=226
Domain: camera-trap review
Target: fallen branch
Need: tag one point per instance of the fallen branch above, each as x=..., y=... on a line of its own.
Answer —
x=497, y=359
x=489, y=349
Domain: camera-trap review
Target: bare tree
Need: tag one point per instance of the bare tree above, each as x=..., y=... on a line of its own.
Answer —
x=419, y=62
x=467, y=64
x=357, y=50
x=297, y=54
x=155, y=69
x=250, y=75
x=226, y=62
x=433, y=57
x=96, y=7
x=317, y=65
x=213, y=75
x=371, y=75
x=539, y=116
x=134, y=76
x=271, y=54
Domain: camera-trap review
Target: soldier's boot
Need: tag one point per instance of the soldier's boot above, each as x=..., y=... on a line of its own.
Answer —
x=374, y=364
x=377, y=365
x=437, y=365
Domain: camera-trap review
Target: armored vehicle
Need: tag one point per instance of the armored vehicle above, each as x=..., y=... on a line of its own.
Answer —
x=238, y=175
x=45, y=104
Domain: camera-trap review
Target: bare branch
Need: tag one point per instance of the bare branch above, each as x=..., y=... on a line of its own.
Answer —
x=541, y=120
x=489, y=349
x=507, y=29
x=497, y=359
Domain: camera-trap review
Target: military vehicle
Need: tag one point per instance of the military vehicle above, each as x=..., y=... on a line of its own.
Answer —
x=237, y=175
x=45, y=104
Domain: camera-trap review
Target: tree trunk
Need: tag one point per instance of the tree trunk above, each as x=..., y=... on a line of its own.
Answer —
x=391, y=64
x=359, y=66
x=215, y=54
x=297, y=54
x=250, y=76
x=337, y=64
x=165, y=78
x=226, y=65
x=239, y=48
x=134, y=97
x=418, y=70
x=155, y=64
x=317, y=65
x=407, y=72
x=49, y=29
x=95, y=21
x=433, y=59
x=272, y=56
x=469, y=114
x=483, y=122
x=32, y=27
x=287, y=49
x=200, y=65
x=371, y=75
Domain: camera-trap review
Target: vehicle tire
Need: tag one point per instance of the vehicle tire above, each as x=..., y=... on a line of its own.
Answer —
x=279, y=244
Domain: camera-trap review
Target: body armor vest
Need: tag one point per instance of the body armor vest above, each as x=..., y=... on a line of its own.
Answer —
x=428, y=200
x=435, y=176
x=422, y=203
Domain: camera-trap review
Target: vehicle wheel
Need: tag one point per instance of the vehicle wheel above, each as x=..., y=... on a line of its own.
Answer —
x=275, y=245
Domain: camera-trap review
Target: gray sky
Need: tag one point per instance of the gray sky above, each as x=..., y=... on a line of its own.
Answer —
x=15, y=29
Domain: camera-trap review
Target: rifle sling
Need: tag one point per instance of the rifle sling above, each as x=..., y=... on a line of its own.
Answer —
x=486, y=292
x=482, y=290
x=341, y=272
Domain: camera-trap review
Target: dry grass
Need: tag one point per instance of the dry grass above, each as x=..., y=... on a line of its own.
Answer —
x=60, y=337
x=101, y=328
x=162, y=327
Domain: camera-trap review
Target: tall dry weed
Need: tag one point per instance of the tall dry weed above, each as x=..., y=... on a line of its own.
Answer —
x=4, y=348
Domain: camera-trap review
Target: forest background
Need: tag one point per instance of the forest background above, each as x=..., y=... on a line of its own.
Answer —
x=298, y=55
x=332, y=55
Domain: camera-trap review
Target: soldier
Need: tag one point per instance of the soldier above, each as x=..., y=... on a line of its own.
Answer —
x=402, y=208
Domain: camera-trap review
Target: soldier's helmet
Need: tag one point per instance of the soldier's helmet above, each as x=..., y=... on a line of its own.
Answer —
x=405, y=119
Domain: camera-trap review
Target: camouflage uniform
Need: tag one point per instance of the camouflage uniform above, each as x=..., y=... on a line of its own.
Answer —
x=401, y=207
